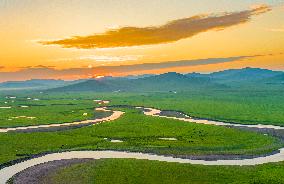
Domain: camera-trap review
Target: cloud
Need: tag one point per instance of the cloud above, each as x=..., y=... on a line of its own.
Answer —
x=44, y=72
x=108, y=58
x=276, y=29
x=103, y=58
x=172, y=31
x=111, y=58
x=169, y=64
x=37, y=66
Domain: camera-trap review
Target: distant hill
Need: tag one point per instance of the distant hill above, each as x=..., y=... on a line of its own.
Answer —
x=171, y=81
x=138, y=76
x=194, y=74
x=177, y=80
x=165, y=82
x=34, y=83
x=278, y=79
x=92, y=85
x=243, y=75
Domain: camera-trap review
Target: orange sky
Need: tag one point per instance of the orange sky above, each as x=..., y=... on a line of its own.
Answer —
x=166, y=32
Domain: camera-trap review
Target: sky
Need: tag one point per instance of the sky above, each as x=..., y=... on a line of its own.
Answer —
x=91, y=38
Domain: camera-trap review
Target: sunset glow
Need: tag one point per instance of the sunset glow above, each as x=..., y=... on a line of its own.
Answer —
x=99, y=76
x=77, y=39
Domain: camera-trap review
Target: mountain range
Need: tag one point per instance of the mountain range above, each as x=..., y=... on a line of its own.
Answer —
x=171, y=81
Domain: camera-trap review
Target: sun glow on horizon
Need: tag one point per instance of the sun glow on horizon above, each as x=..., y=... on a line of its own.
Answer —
x=99, y=77
x=157, y=35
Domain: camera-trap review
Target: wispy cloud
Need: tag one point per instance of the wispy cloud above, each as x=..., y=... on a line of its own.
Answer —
x=111, y=58
x=103, y=58
x=169, y=64
x=46, y=72
x=276, y=29
x=36, y=67
x=172, y=31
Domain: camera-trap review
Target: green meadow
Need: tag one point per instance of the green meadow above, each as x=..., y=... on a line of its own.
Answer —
x=245, y=107
x=239, y=106
x=24, y=111
x=108, y=171
x=140, y=133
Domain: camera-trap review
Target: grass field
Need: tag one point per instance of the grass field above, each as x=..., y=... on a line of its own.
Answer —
x=140, y=133
x=247, y=107
x=26, y=111
x=109, y=171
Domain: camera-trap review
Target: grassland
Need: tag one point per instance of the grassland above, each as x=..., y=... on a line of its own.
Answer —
x=139, y=133
x=246, y=107
x=25, y=110
x=240, y=106
x=108, y=171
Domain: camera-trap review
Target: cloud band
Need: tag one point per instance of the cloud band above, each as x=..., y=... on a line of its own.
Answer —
x=170, y=32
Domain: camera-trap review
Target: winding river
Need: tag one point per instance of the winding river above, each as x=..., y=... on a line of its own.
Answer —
x=115, y=115
x=156, y=112
x=10, y=171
